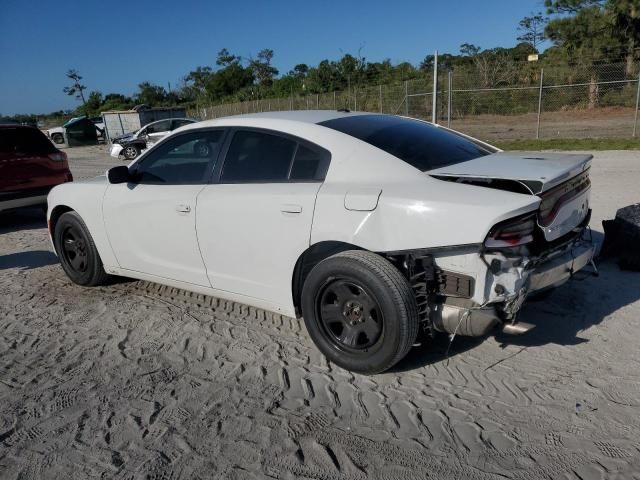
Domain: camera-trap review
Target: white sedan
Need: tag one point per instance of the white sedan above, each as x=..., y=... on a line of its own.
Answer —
x=372, y=227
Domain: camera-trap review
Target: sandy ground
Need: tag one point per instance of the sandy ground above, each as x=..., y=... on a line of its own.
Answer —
x=134, y=380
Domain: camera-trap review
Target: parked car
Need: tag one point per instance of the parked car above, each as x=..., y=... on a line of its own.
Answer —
x=131, y=145
x=30, y=166
x=57, y=134
x=371, y=227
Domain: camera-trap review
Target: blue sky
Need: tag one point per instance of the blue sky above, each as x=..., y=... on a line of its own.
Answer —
x=116, y=45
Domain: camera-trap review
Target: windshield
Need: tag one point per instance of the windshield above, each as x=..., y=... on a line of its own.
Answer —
x=25, y=141
x=417, y=143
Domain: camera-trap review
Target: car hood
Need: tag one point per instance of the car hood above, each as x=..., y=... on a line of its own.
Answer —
x=127, y=137
x=538, y=171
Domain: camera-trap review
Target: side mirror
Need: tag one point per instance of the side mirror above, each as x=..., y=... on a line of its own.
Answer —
x=119, y=174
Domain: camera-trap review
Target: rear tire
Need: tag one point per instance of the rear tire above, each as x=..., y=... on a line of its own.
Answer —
x=360, y=311
x=77, y=252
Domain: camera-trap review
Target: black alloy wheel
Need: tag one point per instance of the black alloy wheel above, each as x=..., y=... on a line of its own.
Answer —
x=350, y=316
x=77, y=251
x=74, y=249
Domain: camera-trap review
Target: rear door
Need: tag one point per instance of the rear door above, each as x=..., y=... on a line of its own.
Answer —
x=29, y=161
x=254, y=223
x=151, y=223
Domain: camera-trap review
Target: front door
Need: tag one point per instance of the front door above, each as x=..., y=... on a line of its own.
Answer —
x=151, y=221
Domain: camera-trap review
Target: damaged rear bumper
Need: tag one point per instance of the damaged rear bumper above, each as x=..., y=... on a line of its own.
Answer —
x=469, y=318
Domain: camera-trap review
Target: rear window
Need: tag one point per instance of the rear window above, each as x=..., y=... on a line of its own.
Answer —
x=24, y=140
x=417, y=143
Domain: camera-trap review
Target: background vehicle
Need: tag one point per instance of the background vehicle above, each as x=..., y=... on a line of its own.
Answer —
x=372, y=227
x=58, y=134
x=130, y=145
x=30, y=166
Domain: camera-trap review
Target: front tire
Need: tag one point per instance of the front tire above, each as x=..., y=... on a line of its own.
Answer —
x=77, y=252
x=57, y=138
x=360, y=311
x=130, y=152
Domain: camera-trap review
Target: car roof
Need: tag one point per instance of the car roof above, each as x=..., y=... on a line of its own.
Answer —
x=172, y=118
x=301, y=116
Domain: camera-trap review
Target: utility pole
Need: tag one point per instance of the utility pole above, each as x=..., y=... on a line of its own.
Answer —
x=434, y=112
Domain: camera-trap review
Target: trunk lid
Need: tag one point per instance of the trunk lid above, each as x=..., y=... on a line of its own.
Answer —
x=538, y=171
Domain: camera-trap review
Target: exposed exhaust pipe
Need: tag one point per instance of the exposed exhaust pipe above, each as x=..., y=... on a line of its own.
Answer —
x=518, y=328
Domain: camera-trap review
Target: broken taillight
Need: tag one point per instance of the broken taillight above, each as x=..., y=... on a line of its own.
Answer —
x=512, y=232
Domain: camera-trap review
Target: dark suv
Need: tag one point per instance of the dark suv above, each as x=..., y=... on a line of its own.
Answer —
x=30, y=166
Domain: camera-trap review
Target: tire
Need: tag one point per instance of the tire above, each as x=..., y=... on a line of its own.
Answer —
x=130, y=152
x=77, y=251
x=57, y=138
x=360, y=311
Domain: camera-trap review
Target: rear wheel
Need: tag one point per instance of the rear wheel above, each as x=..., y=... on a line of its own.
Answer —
x=77, y=252
x=130, y=152
x=360, y=311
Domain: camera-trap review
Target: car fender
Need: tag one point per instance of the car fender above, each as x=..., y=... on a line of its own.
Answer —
x=85, y=197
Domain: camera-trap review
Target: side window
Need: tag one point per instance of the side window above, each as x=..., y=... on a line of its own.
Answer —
x=161, y=126
x=309, y=164
x=180, y=123
x=258, y=157
x=185, y=160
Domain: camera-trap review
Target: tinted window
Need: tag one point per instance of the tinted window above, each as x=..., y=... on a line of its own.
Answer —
x=180, y=123
x=161, y=126
x=419, y=144
x=24, y=140
x=258, y=157
x=186, y=159
x=308, y=164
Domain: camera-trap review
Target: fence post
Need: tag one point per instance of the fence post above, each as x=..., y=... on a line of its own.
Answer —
x=355, y=99
x=434, y=108
x=334, y=100
x=406, y=98
x=635, y=120
x=317, y=101
x=540, y=103
x=381, y=98
x=449, y=98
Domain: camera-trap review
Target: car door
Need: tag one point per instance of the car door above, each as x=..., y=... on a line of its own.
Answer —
x=255, y=220
x=151, y=221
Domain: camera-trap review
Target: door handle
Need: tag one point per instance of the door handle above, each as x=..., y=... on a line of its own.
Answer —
x=183, y=208
x=291, y=208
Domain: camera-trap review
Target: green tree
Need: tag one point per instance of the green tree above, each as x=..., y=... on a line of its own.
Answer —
x=94, y=104
x=150, y=94
x=532, y=28
x=262, y=69
x=76, y=89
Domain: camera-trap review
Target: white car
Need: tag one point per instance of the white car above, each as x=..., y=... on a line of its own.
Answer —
x=372, y=227
x=131, y=145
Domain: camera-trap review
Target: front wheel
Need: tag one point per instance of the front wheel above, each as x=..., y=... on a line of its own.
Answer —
x=360, y=311
x=77, y=252
x=130, y=152
x=57, y=138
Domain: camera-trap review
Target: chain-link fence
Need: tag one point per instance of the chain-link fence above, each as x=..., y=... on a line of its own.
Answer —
x=492, y=102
